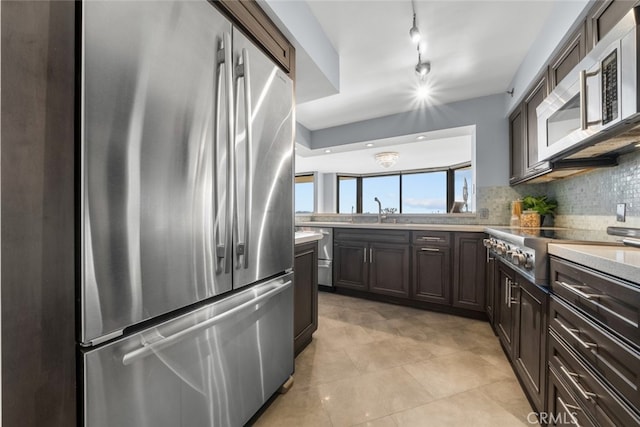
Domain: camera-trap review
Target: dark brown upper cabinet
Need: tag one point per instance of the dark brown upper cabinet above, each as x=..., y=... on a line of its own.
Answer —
x=568, y=57
x=531, y=103
x=602, y=17
x=516, y=145
x=255, y=23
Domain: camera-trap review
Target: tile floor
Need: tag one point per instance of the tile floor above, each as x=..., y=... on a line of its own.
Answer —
x=376, y=364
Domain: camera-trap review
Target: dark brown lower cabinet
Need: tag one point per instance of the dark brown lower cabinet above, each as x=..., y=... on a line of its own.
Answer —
x=521, y=323
x=490, y=278
x=431, y=274
x=349, y=265
x=468, y=271
x=389, y=269
x=305, y=295
x=530, y=339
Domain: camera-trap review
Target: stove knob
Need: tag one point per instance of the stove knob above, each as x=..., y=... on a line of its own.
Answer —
x=519, y=258
x=487, y=243
x=501, y=248
x=528, y=263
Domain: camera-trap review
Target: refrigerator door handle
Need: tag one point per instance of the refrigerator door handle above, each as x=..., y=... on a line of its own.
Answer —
x=243, y=72
x=151, y=348
x=231, y=135
x=218, y=246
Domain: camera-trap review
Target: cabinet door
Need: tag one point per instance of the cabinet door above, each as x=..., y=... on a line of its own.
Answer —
x=603, y=17
x=468, y=271
x=516, y=143
x=389, y=269
x=504, y=316
x=570, y=55
x=431, y=274
x=490, y=279
x=350, y=265
x=305, y=295
x=532, y=102
x=529, y=344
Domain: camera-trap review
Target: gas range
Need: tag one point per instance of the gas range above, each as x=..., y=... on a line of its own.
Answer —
x=526, y=249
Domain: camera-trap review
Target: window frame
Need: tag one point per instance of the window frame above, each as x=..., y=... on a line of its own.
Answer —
x=450, y=180
x=313, y=181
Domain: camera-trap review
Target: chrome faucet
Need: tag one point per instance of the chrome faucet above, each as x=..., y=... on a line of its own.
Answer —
x=379, y=209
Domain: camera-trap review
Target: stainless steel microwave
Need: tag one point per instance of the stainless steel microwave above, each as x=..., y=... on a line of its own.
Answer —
x=598, y=97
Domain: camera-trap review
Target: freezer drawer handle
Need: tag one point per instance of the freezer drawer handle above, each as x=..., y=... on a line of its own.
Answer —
x=151, y=348
x=243, y=72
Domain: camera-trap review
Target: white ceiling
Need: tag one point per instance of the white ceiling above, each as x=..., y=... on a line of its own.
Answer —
x=475, y=48
x=425, y=150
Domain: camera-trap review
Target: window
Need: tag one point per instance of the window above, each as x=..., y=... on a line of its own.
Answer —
x=424, y=192
x=462, y=177
x=347, y=194
x=304, y=194
x=385, y=188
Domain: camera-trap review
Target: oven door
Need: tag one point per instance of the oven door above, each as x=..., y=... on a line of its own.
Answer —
x=584, y=103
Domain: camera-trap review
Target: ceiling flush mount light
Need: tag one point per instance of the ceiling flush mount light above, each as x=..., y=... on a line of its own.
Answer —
x=414, y=32
x=387, y=159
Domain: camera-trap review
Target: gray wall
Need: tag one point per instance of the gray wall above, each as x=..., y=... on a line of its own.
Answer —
x=486, y=113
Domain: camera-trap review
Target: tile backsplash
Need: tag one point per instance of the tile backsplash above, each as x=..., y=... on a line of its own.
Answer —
x=589, y=201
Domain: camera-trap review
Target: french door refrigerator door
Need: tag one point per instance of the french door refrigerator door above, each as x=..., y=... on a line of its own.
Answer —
x=264, y=165
x=215, y=366
x=155, y=138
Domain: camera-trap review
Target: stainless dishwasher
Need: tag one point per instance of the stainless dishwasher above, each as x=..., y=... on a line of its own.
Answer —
x=325, y=254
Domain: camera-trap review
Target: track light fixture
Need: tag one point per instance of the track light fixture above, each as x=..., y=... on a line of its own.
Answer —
x=414, y=32
x=422, y=68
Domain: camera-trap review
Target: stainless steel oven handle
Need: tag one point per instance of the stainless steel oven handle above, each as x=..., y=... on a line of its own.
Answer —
x=583, y=99
x=573, y=333
x=150, y=348
x=571, y=376
x=566, y=407
x=590, y=298
x=243, y=72
x=231, y=142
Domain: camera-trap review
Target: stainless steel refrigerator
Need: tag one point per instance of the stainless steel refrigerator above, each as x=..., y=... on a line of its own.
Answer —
x=186, y=217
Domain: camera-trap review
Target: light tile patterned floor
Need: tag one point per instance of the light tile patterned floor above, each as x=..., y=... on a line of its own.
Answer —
x=376, y=364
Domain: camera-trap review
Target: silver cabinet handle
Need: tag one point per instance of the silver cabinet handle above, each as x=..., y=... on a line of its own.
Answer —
x=228, y=66
x=243, y=72
x=151, y=348
x=567, y=408
x=371, y=255
x=571, y=376
x=583, y=99
x=589, y=298
x=430, y=239
x=573, y=333
x=364, y=255
x=576, y=291
x=430, y=249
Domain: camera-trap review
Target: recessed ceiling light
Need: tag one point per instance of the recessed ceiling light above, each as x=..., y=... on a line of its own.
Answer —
x=327, y=151
x=638, y=145
x=369, y=144
x=421, y=137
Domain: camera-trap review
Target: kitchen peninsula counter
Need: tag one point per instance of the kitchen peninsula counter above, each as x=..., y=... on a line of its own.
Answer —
x=619, y=261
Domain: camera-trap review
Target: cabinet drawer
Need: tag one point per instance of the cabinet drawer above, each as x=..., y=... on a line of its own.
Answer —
x=593, y=396
x=612, y=359
x=563, y=405
x=431, y=238
x=369, y=235
x=612, y=302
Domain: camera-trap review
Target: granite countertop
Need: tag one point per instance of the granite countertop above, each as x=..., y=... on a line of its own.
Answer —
x=618, y=261
x=307, y=236
x=391, y=226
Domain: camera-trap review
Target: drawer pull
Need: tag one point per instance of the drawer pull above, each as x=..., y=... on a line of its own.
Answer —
x=589, y=297
x=576, y=291
x=571, y=376
x=430, y=239
x=573, y=333
x=430, y=249
x=567, y=408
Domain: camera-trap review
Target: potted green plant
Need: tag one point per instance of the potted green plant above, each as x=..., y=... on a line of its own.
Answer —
x=541, y=204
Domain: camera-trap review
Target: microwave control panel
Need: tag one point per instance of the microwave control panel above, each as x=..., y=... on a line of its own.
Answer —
x=609, y=68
